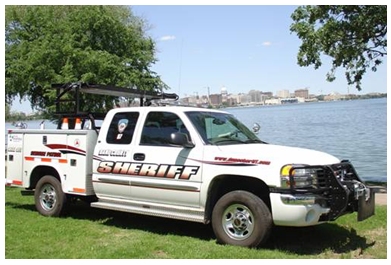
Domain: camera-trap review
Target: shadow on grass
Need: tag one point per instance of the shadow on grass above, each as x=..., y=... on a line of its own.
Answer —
x=162, y=226
x=302, y=241
x=317, y=239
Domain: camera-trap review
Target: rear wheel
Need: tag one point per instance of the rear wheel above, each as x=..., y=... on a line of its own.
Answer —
x=50, y=200
x=241, y=218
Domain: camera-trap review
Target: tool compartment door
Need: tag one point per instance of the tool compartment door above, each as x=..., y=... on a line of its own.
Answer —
x=79, y=150
x=14, y=159
x=37, y=152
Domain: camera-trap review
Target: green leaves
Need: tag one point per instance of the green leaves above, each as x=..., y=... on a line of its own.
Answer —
x=355, y=37
x=61, y=44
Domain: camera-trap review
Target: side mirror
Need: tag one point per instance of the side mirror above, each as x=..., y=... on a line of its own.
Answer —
x=181, y=139
x=256, y=128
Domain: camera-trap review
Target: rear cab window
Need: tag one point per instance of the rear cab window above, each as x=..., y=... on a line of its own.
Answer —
x=122, y=127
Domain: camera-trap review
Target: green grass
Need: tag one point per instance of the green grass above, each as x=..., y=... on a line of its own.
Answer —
x=88, y=233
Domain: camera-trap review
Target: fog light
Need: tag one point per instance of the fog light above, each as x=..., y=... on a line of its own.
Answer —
x=310, y=217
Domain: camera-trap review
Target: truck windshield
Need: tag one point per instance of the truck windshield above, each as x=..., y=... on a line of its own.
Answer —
x=221, y=128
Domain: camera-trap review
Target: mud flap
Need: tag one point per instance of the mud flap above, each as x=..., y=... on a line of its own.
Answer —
x=366, y=208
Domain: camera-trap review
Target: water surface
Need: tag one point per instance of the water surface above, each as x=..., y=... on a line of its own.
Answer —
x=355, y=130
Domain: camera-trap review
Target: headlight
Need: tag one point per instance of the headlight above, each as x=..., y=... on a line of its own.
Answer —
x=298, y=177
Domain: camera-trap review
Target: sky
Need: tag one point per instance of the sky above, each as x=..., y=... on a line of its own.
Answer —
x=203, y=48
x=237, y=47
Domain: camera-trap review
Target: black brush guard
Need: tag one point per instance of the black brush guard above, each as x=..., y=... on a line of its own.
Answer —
x=339, y=188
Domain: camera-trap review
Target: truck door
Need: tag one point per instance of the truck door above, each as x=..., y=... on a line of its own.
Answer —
x=113, y=155
x=165, y=173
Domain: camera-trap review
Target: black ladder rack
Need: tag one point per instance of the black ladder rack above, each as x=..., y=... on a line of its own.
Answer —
x=145, y=98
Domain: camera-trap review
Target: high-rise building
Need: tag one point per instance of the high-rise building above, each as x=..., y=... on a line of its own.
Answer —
x=255, y=95
x=224, y=94
x=301, y=93
x=215, y=99
x=283, y=93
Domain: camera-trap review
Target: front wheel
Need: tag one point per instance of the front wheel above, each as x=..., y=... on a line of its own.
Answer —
x=241, y=218
x=50, y=200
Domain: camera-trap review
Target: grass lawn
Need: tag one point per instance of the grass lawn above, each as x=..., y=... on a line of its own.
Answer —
x=88, y=233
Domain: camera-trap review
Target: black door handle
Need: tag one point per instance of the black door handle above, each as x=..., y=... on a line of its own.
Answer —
x=139, y=157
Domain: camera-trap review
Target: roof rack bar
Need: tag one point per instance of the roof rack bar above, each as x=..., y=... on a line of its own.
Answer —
x=145, y=97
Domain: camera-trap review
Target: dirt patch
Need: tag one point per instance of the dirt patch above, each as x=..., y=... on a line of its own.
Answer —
x=381, y=198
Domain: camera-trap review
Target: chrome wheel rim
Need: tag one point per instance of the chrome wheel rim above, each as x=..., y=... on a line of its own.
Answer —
x=48, y=197
x=238, y=222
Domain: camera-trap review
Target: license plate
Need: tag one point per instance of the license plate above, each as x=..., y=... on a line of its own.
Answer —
x=366, y=208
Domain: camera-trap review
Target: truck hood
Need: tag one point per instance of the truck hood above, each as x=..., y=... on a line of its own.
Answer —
x=275, y=155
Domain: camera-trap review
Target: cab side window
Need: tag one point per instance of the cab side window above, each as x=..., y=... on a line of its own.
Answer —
x=159, y=126
x=122, y=127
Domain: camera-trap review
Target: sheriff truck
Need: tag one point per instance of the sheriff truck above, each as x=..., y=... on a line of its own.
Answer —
x=194, y=164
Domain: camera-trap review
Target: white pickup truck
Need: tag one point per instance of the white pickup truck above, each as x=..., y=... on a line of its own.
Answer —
x=193, y=164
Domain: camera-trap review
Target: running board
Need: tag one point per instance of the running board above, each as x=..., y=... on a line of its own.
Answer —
x=174, y=212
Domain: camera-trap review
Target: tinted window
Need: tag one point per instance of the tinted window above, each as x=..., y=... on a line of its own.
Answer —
x=159, y=126
x=122, y=128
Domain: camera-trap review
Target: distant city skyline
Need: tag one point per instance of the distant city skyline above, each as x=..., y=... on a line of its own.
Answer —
x=257, y=97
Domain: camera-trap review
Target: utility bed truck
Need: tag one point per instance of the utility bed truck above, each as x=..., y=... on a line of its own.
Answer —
x=195, y=164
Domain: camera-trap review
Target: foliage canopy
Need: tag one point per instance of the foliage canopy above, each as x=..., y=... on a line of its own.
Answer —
x=354, y=36
x=62, y=44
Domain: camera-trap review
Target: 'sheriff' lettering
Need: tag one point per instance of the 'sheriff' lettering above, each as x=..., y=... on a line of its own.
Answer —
x=150, y=170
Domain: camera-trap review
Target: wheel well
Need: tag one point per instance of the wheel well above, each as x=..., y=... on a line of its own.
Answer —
x=223, y=184
x=41, y=171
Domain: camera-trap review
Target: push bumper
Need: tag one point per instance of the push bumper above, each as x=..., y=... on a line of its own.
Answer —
x=339, y=191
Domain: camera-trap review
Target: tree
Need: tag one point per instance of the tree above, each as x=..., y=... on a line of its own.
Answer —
x=355, y=37
x=61, y=44
x=7, y=111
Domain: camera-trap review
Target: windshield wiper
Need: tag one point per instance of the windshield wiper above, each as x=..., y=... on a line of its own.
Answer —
x=227, y=141
x=250, y=141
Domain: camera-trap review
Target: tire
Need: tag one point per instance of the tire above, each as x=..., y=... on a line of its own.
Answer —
x=242, y=219
x=50, y=200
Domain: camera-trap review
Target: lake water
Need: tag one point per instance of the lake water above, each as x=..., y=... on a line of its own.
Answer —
x=355, y=130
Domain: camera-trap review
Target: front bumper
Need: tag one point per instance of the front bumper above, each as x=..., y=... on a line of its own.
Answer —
x=337, y=190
